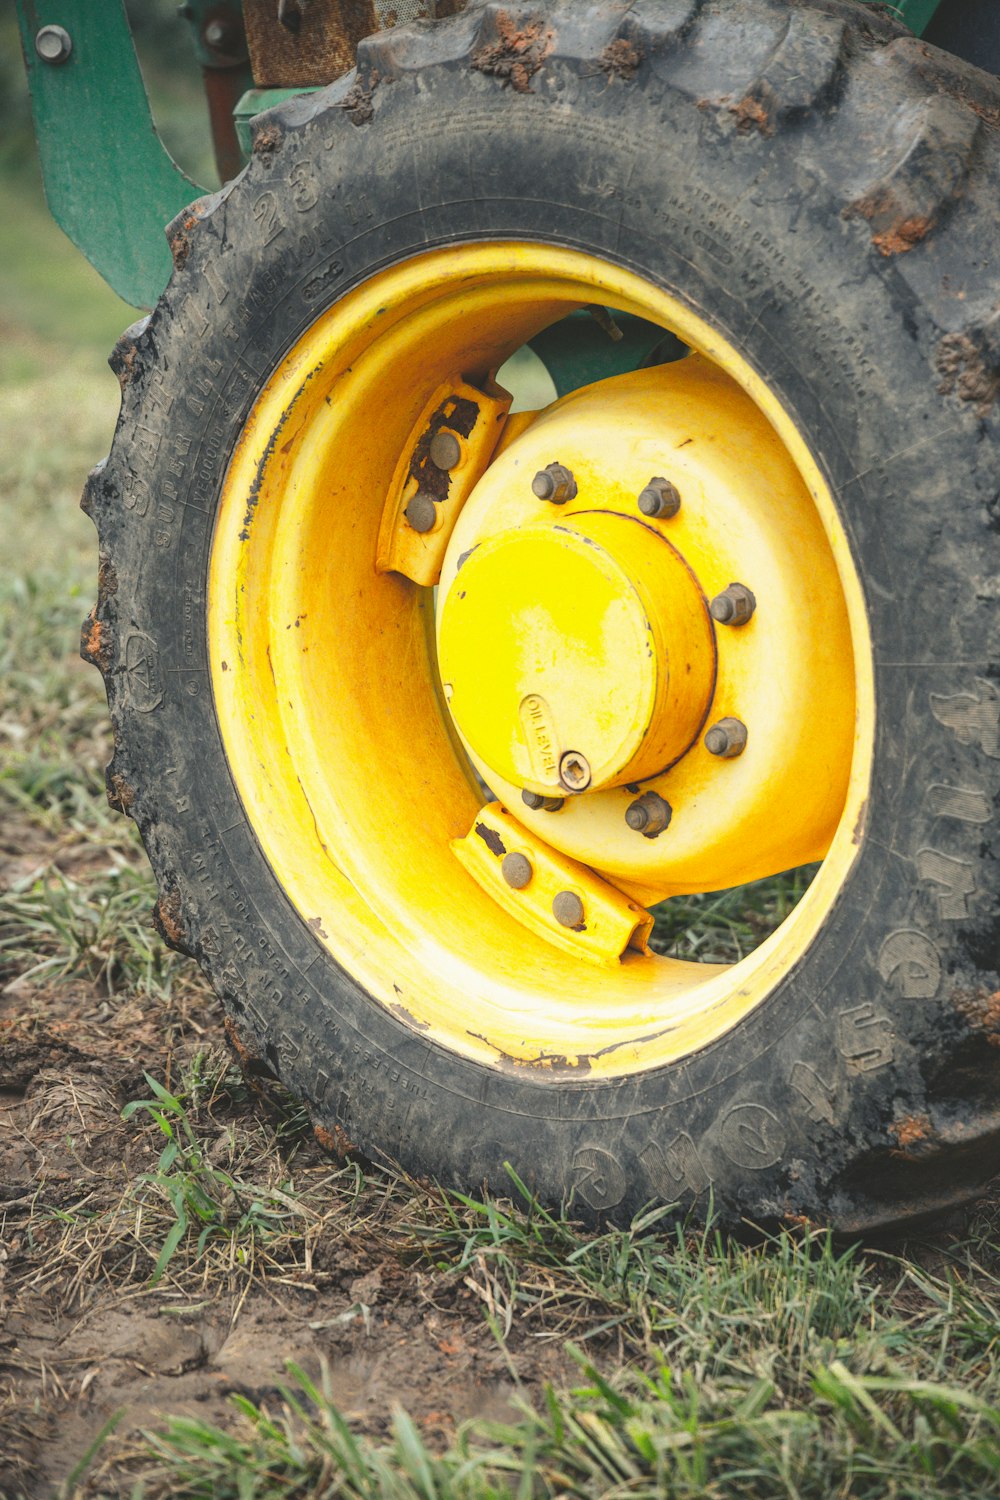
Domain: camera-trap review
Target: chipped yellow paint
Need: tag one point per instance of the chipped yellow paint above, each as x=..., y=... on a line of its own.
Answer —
x=419, y=554
x=328, y=696
x=610, y=923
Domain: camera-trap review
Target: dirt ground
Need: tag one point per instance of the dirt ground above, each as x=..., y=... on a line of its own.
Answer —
x=83, y=1334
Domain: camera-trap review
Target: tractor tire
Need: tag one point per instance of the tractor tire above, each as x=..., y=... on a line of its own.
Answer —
x=808, y=197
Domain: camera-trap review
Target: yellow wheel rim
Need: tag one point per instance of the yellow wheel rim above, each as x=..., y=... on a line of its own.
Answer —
x=347, y=759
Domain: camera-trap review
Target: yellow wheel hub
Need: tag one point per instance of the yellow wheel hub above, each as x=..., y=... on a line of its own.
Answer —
x=576, y=656
x=583, y=624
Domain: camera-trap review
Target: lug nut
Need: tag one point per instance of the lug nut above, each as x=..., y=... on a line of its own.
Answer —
x=660, y=500
x=445, y=450
x=574, y=771
x=53, y=44
x=733, y=606
x=538, y=803
x=556, y=483
x=567, y=908
x=421, y=512
x=727, y=738
x=648, y=814
x=516, y=870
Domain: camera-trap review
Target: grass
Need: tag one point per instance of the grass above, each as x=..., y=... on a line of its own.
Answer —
x=785, y=1368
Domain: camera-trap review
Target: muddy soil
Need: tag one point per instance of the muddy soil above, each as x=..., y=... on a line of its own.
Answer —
x=83, y=1333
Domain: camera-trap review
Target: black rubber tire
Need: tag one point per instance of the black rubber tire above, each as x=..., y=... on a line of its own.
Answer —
x=826, y=191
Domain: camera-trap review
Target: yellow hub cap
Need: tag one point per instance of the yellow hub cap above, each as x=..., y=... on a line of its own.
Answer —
x=577, y=656
x=358, y=778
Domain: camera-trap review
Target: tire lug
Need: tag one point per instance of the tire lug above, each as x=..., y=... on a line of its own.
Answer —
x=538, y=803
x=516, y=870
x=554, y=483
x=421, y=513
x=660, y=500
x=727, y=738
x=733, y=606
x=567, y=908
x=574, y=771
x=445, y=450
x=649, y=814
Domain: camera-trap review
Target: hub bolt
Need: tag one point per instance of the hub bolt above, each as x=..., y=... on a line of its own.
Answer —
x=660, y=500
x=648, y=814
x=733, y=606
x=538, y=803
x=567, y=908
x=445, y=450
x=574, y=771
x=556, y=483
x=727, y=738
x=516, y=870
x=421, y=511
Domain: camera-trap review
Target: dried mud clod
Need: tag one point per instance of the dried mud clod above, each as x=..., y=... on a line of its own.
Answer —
x=970, y=370
x=752, y=113
x=121, y=796
x=516, y=54
x=358, y=103
x=335, y=1140
x=179, y=239
x=95, y=642
x=107, y=579
x=167, y=920
x=981, y=1010
x=267, y=138
x=621, y=59
x=912, y=1132
x=899, y=238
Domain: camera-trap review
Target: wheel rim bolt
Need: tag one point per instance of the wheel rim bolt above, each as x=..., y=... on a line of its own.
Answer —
x=554, y=483
x=734, y=606
x=516, y=870
x=538, y=803
x=445, y=450
x=567, y=908
x=727, y=738
x=649, y=815
x=574, y=771
x=421, y=513
x=660, y=500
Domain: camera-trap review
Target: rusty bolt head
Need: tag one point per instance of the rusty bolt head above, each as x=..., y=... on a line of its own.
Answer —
x=727, y=738
x=567, y=908
x=574, y=771
x=733, y=606
x=516, y=870
x=660, y=500
x=556, y=483
x=649, y=814
x=53, y=44
x=538, y=803
x=421, y=512
x=445, y=450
